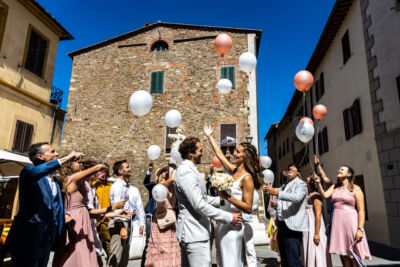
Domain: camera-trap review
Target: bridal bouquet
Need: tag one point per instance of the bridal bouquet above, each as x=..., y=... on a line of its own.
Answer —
x=223, y=182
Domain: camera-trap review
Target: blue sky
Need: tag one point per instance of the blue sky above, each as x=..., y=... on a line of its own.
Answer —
x=291, y=30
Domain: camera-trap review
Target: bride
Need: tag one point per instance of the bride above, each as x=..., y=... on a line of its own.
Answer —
x=247, y=175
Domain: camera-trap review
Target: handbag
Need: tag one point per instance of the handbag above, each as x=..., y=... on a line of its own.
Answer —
x=165, y=219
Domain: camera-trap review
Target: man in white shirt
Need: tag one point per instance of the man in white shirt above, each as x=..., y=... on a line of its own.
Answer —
x=291, y=215
x=119, y=227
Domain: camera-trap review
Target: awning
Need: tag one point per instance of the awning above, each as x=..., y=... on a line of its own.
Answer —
x=11, y=164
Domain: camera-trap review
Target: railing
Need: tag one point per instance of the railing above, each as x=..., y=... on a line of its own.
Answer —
x=56, y=96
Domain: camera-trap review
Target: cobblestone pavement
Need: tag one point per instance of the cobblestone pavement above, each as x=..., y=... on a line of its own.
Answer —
x=266, y=257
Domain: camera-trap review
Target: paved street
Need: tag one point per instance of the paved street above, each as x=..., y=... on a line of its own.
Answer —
x=266, y=257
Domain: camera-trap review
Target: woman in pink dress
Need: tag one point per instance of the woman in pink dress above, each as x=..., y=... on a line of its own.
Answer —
x=163, y=249
x=77, y=246
x=348, y=218
x=315, y=247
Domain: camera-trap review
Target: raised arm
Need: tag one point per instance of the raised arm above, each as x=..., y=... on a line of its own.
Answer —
x=324, y=177
x=359, y=195
x=72, y=186
x=36, y=172
x=325, y=194
x=218, y=152
x=248, y=193
x=170, y=181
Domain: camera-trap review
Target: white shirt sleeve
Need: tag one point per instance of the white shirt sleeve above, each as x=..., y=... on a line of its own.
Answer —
x=140, y=209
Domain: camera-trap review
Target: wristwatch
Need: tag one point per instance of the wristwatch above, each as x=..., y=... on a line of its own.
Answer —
x=361, y=229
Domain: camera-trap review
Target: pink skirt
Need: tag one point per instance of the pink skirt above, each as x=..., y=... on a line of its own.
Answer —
x=343, y=232
x=163, y=249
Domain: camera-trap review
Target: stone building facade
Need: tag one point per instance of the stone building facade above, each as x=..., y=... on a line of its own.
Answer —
x=104, y=76
x=357, y=77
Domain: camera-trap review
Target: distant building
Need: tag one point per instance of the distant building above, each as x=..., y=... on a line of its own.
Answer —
x=29, y=104
x=177, y=64
x=356, y=68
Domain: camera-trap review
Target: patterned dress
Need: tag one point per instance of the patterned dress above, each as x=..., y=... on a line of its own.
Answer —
x=163, y=249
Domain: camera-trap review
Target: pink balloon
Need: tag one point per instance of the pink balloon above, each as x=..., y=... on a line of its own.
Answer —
x=223, y=44
x=216, y=162
x=307, y=119
x=319, y=111
x=303, y=80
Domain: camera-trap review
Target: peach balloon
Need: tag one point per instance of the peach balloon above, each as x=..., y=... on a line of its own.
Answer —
x=303, y=80
x=223, y=44
x=319, y=111
x=215, y=162
x=307, y=119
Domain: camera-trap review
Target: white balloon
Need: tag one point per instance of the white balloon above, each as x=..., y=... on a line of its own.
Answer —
x=247, y=62
x=140, y=102
x=268, y=176
x=266, y=162
x=224, y=86
x=175, y=155
x=159, y=193
x=173, y=118
x=305, y=131
x=154, y=152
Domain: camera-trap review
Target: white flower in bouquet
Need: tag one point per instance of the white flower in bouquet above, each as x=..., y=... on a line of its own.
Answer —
x=223, y=182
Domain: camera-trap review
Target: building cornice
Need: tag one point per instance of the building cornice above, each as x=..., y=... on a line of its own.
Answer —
x=45, y=17
x=169, y=25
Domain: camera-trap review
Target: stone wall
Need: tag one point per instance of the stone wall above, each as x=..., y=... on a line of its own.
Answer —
x=381, y=27
x=104, y=78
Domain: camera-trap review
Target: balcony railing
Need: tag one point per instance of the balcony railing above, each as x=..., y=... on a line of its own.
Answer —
x=56, y=96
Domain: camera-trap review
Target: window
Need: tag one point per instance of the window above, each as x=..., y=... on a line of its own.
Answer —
x=359, y=180
x=168, y=141
x=323, y=141
x=284, y=148
x=287, y=145
x=3, y=19
x=319, y=87
x=280, y=154
x=22, y=137
x=346, y=47
x=398, y=85
x=302, y=112
x=36, y=52
x=157, y=82
x=159, y=46
x=352, y=120
x=227, y=137
x=228, y=72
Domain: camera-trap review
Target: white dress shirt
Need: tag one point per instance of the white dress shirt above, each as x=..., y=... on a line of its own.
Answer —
x=121, y=190
x=52, y=183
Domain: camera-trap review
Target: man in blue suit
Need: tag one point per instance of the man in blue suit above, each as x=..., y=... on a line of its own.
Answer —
x=37, y=226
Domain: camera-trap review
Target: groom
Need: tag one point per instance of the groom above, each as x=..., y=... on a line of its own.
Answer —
x=196, y=208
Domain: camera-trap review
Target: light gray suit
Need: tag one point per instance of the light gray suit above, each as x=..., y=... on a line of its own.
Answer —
x=292, y=205
x=196, y=209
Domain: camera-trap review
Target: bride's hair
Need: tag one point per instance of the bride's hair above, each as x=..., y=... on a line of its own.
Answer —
x=251, y=164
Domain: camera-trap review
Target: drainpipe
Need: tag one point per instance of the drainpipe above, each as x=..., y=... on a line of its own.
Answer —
x=53, y=125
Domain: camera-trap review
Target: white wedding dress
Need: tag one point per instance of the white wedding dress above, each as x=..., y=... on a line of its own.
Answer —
x=230, y=237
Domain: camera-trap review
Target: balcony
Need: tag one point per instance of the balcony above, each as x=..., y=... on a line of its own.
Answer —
x=56, y=96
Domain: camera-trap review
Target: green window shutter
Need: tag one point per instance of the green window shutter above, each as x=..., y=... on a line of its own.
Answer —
x=157, y=82
x=229, y=73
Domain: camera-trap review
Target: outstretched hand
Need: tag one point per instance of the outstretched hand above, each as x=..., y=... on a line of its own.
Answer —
x=208, y=130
